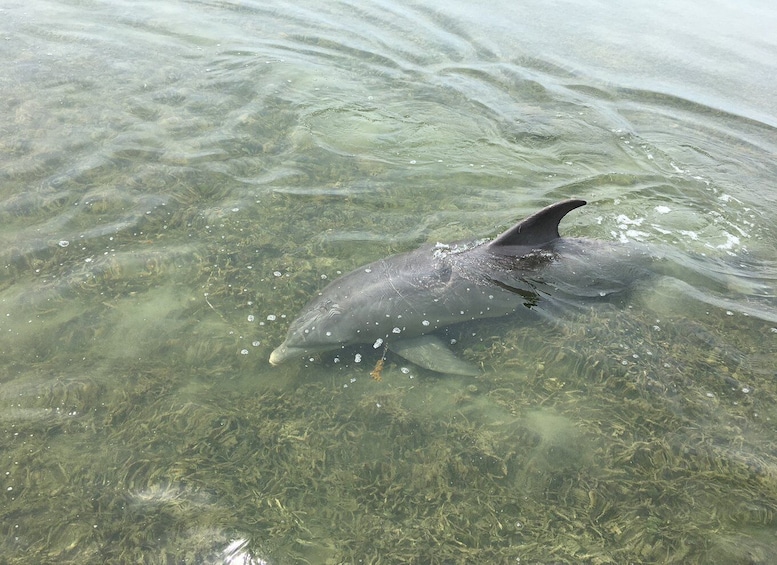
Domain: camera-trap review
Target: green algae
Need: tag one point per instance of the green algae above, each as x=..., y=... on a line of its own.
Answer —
x=565, y=456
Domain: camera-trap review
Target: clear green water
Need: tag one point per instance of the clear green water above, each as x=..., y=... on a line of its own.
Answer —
x=177, y=178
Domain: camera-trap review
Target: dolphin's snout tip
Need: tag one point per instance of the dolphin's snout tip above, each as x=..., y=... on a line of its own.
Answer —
x=276, y=357
x=284, y=352
x=280, y=354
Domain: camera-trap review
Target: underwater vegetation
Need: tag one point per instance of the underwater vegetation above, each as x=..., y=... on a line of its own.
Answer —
x=641, y=451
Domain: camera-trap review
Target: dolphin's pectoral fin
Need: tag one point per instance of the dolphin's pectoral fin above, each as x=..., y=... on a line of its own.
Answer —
x=430, y=352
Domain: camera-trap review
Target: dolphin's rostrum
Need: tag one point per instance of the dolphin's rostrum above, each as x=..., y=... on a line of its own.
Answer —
x=401, y=300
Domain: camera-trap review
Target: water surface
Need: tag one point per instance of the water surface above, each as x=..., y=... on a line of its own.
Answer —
x=178, y=178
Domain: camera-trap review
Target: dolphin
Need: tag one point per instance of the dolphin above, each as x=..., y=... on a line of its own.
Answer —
x=401, y=300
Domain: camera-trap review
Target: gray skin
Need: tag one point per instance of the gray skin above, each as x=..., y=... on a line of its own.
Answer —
x=401, y=298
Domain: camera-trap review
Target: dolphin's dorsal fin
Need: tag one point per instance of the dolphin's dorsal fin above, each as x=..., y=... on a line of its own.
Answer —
x=539, y=228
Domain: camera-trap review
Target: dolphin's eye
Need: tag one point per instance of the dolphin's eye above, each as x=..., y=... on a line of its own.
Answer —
x=330, y=308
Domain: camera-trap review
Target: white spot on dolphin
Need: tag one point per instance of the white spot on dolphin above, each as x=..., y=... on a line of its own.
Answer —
x=378, y=343
x=425, y=323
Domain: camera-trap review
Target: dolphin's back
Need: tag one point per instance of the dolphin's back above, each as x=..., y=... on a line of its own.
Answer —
x=399, y=300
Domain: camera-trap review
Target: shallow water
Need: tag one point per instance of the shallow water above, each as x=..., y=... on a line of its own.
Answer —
x=179, y=178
